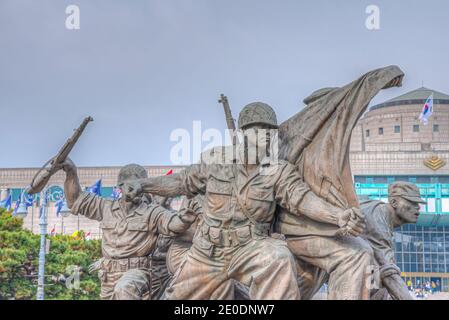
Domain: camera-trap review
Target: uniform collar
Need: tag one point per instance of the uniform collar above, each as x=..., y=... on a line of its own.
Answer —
x=140, y=210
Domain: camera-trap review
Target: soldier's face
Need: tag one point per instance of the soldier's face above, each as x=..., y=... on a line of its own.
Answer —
x=257, y=140
x=131, y=191
x=406, y=210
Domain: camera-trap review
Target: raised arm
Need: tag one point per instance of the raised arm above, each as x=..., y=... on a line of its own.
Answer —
x=79, y=202
x=72, y=187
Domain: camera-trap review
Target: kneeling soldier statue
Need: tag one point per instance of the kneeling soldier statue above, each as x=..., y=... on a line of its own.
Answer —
x=131, y=226
x=381, y=219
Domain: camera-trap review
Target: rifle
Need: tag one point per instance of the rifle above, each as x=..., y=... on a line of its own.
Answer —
x=44, y=174
x=229, y=119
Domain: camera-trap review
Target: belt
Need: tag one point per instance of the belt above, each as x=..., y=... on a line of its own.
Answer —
x=236, y=236
x=123, y=265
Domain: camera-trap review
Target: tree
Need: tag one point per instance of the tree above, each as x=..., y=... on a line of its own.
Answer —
x=19, y=253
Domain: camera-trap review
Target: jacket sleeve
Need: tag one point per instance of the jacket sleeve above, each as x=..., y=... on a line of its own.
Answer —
x=90, y=205
x=293, y=194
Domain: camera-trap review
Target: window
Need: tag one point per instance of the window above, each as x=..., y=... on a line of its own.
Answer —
x=397, y=129
x=445, y=204
x=367, y=133
x=431, y=205
x=416, y=128
x=436, y=128
x=381, y=131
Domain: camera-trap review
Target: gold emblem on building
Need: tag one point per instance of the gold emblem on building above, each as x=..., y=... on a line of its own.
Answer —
x=434, y=163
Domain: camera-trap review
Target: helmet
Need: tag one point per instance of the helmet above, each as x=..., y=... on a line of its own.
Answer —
x=130, y=172
x=257, y=113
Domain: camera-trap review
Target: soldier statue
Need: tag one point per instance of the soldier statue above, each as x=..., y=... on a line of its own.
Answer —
x=131, y=226
x=233, y=239
x=381, y=219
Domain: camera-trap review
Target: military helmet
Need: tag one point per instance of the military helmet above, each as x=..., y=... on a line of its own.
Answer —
x=131, y=172
x=257, y=113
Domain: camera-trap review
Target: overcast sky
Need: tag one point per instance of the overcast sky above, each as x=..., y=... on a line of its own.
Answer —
x=144, y=68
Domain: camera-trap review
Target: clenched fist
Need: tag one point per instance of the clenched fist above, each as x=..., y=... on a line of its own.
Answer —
x=191, y=211
x=352, y=222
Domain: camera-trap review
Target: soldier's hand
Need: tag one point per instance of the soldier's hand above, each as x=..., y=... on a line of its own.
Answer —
x=356, y=223
x=95, y=266
x=352, y=222
x=194, y=207
x=396, y=82
x=67, y=165
x=190, y=211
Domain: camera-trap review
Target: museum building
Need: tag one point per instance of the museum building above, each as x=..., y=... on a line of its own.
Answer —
x=388, y=144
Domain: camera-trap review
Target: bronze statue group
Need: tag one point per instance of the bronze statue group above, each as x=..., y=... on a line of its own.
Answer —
x=258, y=226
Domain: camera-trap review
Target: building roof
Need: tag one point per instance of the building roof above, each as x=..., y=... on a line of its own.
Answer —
x=418, y=96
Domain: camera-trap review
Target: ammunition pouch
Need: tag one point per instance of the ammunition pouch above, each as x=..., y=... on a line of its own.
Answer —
x=123, y=265
x=235, y=236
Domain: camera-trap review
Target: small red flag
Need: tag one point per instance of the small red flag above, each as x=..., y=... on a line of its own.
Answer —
x=169, y=172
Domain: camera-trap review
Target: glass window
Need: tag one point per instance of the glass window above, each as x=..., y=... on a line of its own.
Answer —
x=420, y=267
x=431, y=205
x=406, y=257
x=444, y=179
x=359, y=179
x=367, y=133
x=445, y=204
x=417, y=245
x=397, y=129
x=434, y=258
x=436, y=128
x=420, y=257
x=381, y=131
x=422, y=179
x=434, y=247
x=380, y=179
x=416, y=128
x=438, y=237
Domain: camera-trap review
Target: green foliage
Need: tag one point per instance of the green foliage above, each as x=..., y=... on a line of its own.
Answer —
x=19, y=254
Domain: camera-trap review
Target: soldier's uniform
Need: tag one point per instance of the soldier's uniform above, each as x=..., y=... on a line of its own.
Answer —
x=128, y=243
x=344, y=261
x=233, y=241
x=380, y=233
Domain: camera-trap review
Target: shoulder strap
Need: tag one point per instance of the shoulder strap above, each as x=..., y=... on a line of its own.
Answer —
x=236, y=192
